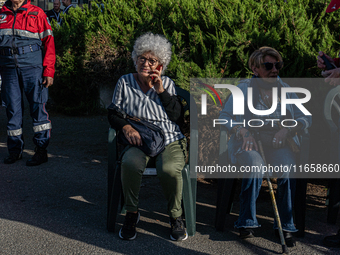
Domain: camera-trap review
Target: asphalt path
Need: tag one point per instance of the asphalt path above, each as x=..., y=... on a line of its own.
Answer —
x=60, y=207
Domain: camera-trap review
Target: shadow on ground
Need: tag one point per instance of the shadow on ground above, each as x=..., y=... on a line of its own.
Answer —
x=60, y=207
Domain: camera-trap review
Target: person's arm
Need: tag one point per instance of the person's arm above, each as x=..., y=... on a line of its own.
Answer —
x=168, y=97
x=121, y=124
x=46, y=36
x=172, y=106
x=116, y=121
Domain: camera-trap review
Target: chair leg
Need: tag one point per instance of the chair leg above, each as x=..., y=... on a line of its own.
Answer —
x=114, y=201
x=112, y=157
x=300, y=206
x=334, y=200
x=110, y=180
x=225, y=196
x=189, y=201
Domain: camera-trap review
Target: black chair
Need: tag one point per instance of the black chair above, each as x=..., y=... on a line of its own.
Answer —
x=226, y=187
x=331, y=113
x=189, y=184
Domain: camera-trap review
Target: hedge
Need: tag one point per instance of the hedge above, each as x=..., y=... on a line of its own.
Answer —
x=211, y=38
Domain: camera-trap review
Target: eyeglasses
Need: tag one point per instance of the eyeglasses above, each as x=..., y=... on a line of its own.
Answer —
x=269, y=66
x=152, y=61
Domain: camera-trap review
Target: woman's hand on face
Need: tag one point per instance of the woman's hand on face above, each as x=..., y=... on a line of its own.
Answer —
x=157, y=81
x=279, y=139
x=249, y=142
x=132, y=135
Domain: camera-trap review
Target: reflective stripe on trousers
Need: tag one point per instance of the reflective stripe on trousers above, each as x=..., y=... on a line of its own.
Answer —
x=42, y=127
x=16, y=132
x=15, y=83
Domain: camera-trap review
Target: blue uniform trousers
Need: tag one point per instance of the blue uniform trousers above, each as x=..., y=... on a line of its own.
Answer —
x=15, y=82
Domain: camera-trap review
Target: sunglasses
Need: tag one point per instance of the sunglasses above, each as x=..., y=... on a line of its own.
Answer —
x=269, y=66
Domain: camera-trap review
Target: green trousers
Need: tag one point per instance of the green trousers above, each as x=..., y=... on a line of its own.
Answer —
x=169, y=165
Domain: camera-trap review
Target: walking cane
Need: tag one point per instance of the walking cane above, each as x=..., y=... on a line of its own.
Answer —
x=271, y=192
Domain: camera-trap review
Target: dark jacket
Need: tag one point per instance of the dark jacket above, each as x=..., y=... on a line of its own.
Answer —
x=53, y=15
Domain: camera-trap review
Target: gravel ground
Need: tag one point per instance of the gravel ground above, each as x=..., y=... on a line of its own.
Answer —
x=60, y=207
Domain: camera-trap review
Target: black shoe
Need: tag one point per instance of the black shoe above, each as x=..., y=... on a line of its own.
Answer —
x=290, y=242
x=12, y=158
x=246, y=233
x=38, y=158
x=178, y=231
x=332, y=241
x=128, y=231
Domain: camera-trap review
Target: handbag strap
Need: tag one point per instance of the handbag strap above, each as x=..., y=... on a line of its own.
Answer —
x=118, y=111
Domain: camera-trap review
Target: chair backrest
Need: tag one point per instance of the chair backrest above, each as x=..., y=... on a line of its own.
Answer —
x=184, y=95
x=191, y=105
x=331, y=112
x=331, y=107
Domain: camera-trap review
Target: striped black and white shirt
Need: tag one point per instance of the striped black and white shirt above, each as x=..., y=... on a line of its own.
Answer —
x=129, y=97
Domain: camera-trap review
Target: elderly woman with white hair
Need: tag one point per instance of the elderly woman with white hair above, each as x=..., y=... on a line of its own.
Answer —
x=149, y=95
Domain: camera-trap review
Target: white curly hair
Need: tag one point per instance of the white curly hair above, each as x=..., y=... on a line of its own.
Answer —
x=157, y=44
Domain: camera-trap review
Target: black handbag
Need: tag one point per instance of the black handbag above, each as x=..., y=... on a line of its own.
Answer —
x=152, y=136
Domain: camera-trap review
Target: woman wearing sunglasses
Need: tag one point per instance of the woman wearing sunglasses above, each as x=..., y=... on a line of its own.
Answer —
x=278, y=141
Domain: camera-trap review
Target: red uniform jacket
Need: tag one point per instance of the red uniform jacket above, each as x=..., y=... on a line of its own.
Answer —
x=26, y=31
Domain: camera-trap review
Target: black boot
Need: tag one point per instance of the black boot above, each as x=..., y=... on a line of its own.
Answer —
x=38, y=158
x=12, y=158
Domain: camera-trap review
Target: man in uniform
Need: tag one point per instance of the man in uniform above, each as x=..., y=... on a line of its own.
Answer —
x=68, y=5
x=27, y=58
x=55, y=12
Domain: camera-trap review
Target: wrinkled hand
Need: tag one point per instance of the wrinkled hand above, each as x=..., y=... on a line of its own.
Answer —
x=279, y=139
x=132, y=135
x=248, y=140
x=333, y=77
x=321, y=63
x=157, y=81
x=48, y=81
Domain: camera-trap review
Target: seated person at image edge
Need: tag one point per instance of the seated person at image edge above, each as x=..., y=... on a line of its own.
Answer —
x=332, y=77
x=155, y=100
x=243, y=149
